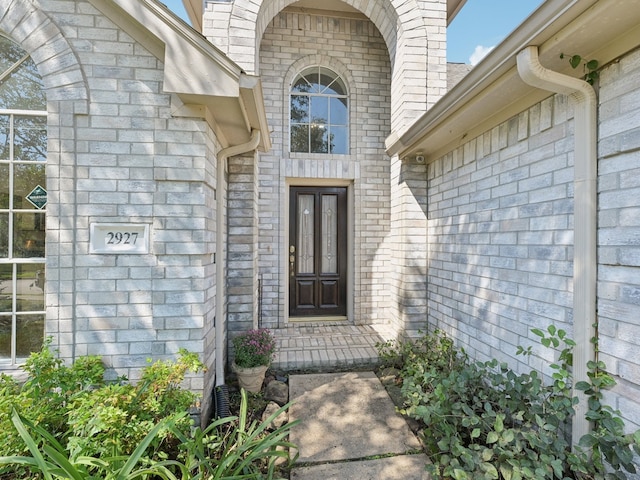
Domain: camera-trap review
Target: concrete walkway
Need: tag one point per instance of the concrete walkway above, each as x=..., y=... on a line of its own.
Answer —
x=349, y=429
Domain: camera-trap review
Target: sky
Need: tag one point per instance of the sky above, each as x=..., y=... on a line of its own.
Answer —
x=478, y=27
x=483, y=24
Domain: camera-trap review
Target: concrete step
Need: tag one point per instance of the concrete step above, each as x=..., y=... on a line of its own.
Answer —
x=325, y=348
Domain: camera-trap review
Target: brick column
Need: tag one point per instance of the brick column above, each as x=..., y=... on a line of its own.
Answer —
x=409, y=248
x=242, y=250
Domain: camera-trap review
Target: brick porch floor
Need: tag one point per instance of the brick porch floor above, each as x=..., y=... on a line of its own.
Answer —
x=325, y=348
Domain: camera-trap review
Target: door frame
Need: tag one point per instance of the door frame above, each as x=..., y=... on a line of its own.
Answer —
x=284, y=247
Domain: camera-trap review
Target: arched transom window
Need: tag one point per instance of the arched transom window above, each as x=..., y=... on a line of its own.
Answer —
x=23, y=199
x=319, y=118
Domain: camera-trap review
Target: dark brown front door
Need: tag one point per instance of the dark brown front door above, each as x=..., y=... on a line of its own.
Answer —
x=318, y=251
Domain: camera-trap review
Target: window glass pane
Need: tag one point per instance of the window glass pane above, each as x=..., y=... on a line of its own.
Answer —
x=313, y=77
x=338, y=111
x=5, y=336
x=331, y=83
x=299, y=109
x=27, y=176
x=29, y=334
x=30, y=139
x=4, y=235
x=4, y=185
x=339, y=140
x=22, y=86
x=324, y=107
x=11, y=53
x=28, y=234
x=4, y=137
x=300, y=85
x=319, y=109
x=319, y=139
x=306, y=234
x=300, y=138
x=30, y=287
x=6, y=288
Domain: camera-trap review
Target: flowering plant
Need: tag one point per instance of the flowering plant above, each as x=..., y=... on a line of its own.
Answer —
x=254, y=348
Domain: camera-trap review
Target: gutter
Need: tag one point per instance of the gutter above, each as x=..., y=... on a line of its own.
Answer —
x=545, y=22
x=584, y=100
x=221, y=390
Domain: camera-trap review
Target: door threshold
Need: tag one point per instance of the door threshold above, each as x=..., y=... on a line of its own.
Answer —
x=321, y=318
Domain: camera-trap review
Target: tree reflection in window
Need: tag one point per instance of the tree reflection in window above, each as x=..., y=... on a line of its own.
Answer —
x=23, y=155
x=319, y=112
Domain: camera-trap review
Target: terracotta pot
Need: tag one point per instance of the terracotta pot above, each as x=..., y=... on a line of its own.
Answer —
x=251, y=378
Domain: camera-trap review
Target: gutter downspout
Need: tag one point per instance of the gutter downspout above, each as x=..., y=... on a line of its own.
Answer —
x=585, y=215
x=221, y=391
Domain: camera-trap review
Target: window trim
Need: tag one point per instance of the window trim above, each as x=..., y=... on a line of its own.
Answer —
x=336, y=77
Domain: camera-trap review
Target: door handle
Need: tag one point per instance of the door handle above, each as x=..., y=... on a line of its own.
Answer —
x=292, y=260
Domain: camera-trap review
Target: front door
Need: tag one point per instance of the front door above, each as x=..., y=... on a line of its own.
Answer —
x=318, y=251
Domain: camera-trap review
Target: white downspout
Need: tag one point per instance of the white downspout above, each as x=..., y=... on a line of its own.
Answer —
x=223, y=156
x=585, y=214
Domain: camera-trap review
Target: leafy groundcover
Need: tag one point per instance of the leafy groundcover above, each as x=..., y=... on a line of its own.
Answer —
x=481, y=420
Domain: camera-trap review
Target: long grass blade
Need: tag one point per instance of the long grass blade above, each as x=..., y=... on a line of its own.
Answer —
x=41, y=463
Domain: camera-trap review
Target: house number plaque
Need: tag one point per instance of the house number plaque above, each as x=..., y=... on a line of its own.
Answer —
x=118, y=238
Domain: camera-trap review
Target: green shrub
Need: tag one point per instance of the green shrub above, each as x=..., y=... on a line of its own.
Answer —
x=484, y=421
x=90, y=417
x=229, y=448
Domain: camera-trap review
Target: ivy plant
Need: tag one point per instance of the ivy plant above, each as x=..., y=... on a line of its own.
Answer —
x=590, y=67
x=482, y=420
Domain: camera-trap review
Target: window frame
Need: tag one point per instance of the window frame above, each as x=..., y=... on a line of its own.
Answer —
x=12, y=264
x=320, y=71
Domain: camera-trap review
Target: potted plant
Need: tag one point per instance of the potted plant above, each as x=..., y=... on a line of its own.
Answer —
x=254, y=351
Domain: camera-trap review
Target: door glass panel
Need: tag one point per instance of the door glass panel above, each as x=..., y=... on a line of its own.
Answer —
x=29, y=334
x=30, y=287
x=306, y=223
x=329, y=234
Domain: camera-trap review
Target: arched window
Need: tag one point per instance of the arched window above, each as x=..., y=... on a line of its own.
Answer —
x=319, y=118
x=23, y=199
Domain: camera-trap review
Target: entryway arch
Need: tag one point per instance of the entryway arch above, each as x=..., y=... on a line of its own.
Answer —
x=408, y=29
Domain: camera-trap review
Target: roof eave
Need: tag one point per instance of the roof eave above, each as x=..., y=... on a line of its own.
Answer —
x=194, y=69
x=493, y=92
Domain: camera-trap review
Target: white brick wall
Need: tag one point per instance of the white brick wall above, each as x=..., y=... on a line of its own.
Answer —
x=500, y=237
x=117, y=155
x=359, y=55
x=501, y=234
x=619, y=231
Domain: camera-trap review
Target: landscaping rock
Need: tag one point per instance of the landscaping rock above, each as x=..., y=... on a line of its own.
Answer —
x=277, y=391
x=280, y=420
